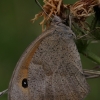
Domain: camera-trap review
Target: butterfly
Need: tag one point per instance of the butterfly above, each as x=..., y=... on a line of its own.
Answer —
x=50, y=68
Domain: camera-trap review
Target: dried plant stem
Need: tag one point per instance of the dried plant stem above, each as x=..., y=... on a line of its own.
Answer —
x=91, y=73
x=3, y=92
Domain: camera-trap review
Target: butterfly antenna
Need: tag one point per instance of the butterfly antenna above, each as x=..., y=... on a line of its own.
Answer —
x=70, y=21
x=41, y=7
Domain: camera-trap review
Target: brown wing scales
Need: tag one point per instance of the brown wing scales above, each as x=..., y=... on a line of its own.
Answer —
x=65, y=81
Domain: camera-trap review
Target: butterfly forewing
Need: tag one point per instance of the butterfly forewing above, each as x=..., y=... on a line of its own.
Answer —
x=56, y=70
x=52, y=67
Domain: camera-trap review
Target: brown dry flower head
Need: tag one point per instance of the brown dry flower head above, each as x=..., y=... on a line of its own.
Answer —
x=82, y=9
x=79, y=11
x=51, y=7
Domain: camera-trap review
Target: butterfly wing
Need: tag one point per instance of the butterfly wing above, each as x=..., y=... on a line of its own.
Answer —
x=50, y=69
x=55, y=71
x=16, y=89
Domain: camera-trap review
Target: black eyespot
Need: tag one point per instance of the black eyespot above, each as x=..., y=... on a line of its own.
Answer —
x=24, y=83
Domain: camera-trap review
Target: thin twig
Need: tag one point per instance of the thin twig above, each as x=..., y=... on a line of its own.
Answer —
x=3, y=92
x=91, y=73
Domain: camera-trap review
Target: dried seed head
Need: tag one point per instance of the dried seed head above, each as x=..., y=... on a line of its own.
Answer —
x=82, y=9
x=98, y=1
x=51, y=7
x=79, y=11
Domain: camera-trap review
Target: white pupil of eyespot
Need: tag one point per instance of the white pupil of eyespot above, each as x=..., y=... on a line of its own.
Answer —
x=24, y=82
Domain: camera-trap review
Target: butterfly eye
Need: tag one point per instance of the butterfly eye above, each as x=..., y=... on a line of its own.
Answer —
x=24, y=83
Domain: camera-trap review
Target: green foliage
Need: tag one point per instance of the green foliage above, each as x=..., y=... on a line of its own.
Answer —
x=87, y=35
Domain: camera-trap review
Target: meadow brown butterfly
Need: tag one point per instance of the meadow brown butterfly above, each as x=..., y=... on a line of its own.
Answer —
x=50, y=68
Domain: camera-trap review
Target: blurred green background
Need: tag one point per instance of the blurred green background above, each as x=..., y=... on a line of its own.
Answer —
x=17, y=32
